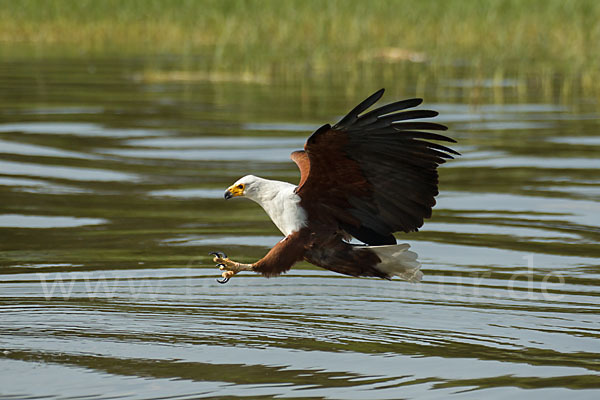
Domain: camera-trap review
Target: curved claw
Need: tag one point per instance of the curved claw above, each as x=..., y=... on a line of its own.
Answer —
x=224, y=280
x=219, y=254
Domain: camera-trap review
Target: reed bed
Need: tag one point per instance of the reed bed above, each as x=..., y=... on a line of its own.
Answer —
x=288, y=36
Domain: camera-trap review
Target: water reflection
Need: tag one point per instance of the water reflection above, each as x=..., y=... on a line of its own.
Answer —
x=189, y=193
x=43, y=221
x=35, y=150
x=112, y=198
x=60, y=172
x=75, y=128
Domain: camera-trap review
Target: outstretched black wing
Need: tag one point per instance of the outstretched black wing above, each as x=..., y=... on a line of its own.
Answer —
x=375, y=173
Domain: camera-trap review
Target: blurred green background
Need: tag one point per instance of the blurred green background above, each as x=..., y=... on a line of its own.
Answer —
x=260, y=40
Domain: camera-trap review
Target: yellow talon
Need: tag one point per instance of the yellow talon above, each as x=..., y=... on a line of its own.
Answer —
x=229, y=267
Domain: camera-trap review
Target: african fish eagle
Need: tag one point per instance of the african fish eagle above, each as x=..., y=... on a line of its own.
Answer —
x=366, y=177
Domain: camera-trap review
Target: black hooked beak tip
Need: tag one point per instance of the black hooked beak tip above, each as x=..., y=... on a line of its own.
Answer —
x=228, y=195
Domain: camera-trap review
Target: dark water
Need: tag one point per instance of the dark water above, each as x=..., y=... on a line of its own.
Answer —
x=111, y=183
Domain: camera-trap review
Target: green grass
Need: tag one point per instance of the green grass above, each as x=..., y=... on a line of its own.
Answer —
x=289, y=36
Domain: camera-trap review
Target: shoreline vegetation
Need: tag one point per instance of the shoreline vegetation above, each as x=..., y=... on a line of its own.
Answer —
x=254, y=38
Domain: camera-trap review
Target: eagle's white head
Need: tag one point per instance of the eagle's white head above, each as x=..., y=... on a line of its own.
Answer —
x=277, y=198
x=248, y=186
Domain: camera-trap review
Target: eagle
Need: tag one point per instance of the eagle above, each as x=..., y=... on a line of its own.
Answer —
x=370, y=175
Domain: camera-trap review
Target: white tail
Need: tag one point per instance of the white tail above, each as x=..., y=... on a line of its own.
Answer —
x=397, y=260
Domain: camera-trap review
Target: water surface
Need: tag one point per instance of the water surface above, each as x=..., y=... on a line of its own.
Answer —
x=111, y=192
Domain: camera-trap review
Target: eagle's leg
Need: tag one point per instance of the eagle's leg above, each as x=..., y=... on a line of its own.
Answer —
x=229, y=267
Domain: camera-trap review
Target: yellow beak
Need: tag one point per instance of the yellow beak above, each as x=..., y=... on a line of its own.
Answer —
x=234, y=191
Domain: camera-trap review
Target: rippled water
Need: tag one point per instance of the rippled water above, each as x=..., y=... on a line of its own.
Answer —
x=111, y=190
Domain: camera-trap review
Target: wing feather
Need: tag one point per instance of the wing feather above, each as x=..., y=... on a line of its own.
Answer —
x=364, y=105
x=387, y=120
x=373, y=174
x=372, y=116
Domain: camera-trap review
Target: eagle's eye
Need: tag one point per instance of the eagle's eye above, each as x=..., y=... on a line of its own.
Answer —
x=240, y=186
